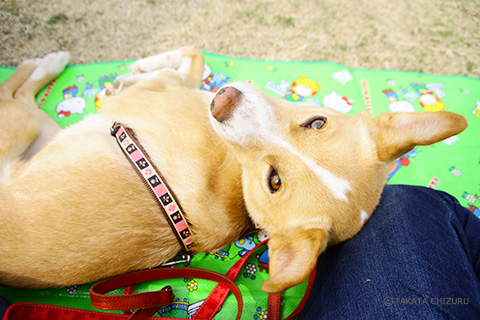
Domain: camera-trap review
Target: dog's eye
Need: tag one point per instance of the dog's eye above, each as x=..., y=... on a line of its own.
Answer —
x=316, y=123
x=274, y=181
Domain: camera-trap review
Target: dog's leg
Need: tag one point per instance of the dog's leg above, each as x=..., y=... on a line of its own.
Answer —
x=51, y=66
x=191, y=67
x=48, y=69
x=23, y=71
x=25, y=128
x=180, y=67
x=126, y=80
x=13, y=140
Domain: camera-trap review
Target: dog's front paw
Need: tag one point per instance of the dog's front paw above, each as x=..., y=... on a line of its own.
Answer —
x=115, y=88
x=55, y=62
x=135, y=67
x=35, y=61
x=143, y=66
x=51, y=65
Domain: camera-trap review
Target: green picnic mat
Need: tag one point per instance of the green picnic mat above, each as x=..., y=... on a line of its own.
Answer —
x=452, y=165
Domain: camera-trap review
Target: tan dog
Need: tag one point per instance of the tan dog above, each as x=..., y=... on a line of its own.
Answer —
x=77, y=212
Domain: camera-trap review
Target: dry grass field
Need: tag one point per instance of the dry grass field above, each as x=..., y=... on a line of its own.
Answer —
x=439, y=36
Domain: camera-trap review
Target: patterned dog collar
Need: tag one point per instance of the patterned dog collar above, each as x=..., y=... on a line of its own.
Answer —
x=154, y=182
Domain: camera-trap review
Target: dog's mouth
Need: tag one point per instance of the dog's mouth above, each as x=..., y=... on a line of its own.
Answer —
x=225, y=102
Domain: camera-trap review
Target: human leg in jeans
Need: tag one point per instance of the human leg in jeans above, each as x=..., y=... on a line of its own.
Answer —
x=418, y=257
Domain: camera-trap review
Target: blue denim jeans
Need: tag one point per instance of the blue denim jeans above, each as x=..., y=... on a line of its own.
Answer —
x=418, y=257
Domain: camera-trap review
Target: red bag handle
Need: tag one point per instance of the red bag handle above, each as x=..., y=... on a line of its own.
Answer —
x=148, y=303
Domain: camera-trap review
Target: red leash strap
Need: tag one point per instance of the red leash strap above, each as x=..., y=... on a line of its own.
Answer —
x=274, y=306
x=148, y=303
x=102, y=301
x=212, y=304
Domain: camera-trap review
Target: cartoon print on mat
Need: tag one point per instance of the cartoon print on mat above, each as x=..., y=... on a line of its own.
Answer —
x=260, y=314
x=451, y=140
x=409, y=95
x=271, y=68
x=192, y=285
x=193, y=308
x=90, y=91
x=71, y=290
x=343, y=76
x=474, y=209
x=103, y=82
x=176, y=305
x=429, y=99
x=427, y=95
x=472, y=202
x=471, y=198
x=46, y=93
x=251, y=269
x=72, y=104
x=263, y=259
x=213, y=81
x=455, y=171
x=301, y=89
x=182, y=305
x=403, y=161
x=434, y=182
x=122, y=68
x=397, y=105
x=280, y=89
x=245, y=243
x=476, y=111
x=230, y=64
x=337, y=102
x=222, y=254
x=437, y=88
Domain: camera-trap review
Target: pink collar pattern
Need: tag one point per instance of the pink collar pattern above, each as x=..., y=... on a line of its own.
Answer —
x=154, y=182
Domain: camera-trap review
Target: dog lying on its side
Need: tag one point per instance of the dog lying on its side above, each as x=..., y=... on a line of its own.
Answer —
x=73, y=210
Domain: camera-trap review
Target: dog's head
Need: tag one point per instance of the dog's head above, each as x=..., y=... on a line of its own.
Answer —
x=312, y=176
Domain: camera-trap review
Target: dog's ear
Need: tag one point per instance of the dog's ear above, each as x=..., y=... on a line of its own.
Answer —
x=292, y=258
x=397, y=133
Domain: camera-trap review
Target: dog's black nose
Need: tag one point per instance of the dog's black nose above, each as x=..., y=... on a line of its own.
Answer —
x=224, y=102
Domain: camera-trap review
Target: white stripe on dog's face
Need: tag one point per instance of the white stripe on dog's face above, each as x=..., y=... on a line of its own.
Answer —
x=253, y=123
x=339, y=187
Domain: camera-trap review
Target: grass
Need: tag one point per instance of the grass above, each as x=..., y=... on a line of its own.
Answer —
x=285, y=21
x=244, y=14
x=57, y=18
x=11, y=8
x=80, y=17
x=471, y=66
x=445, y=33
x=26, y=18
x=375, y=36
